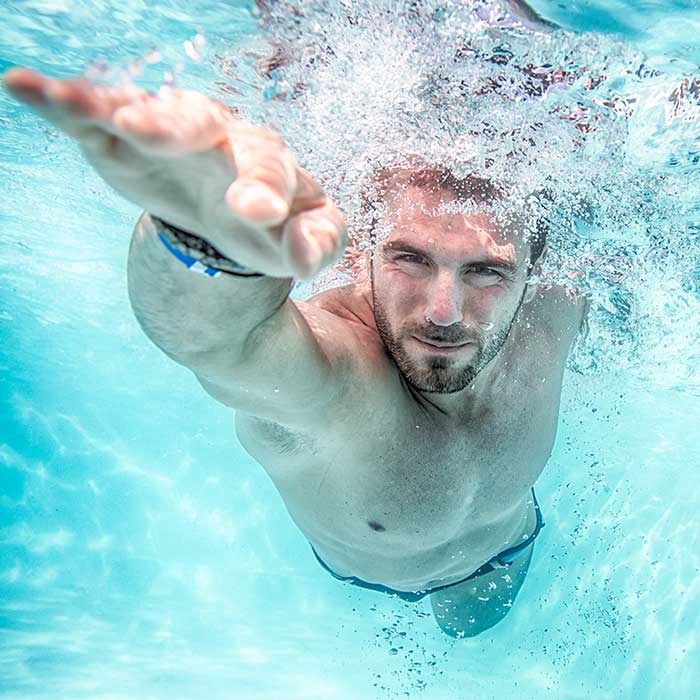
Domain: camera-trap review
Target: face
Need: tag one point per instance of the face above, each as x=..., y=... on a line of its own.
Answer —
x=446, y=289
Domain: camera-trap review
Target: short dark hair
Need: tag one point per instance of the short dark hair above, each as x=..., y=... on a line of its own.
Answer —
x=436, y=178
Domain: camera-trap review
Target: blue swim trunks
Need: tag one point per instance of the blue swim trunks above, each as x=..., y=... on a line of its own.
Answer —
x=501, y=560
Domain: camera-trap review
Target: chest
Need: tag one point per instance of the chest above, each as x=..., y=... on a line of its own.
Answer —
x=436, y=472
x=403, y=481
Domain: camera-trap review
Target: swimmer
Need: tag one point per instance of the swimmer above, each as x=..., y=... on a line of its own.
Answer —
x=404, y=418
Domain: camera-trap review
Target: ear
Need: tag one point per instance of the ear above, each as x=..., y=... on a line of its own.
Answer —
x=534, y=275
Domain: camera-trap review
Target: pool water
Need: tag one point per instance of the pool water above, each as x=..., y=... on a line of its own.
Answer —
x=144, y=554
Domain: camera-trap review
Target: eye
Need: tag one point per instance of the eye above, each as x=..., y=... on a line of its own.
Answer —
x=480, y=270
x=485, y=274
x=410, y=258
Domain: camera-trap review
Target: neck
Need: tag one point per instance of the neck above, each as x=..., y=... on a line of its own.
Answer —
x=469, y=402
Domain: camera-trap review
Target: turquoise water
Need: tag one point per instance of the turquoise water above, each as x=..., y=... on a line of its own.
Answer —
x=144, y=555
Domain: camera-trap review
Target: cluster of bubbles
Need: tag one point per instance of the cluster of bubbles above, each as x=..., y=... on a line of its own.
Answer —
x=581, y=131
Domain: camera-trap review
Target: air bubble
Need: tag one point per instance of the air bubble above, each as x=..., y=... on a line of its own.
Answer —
x=191, y=51
x=567, y=124
x=153, y=56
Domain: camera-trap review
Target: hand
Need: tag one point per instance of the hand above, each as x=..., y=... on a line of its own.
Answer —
x=186, y=159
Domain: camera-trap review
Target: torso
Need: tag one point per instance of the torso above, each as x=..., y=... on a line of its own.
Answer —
x=392, y=491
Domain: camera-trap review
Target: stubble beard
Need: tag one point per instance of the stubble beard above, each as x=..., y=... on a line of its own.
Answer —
x=439, y=374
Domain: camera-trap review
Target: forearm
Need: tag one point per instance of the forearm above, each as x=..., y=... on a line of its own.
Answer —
x=191, y=316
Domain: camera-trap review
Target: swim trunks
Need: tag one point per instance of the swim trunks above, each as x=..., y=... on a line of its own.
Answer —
x=501, y=560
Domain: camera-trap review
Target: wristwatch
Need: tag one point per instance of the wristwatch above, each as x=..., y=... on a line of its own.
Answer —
x=196, y=253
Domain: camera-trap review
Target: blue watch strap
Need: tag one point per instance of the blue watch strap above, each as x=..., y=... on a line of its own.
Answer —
x=189, y=262
x=196, y=253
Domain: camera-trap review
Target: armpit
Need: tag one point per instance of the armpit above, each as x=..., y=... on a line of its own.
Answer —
x=276, y=437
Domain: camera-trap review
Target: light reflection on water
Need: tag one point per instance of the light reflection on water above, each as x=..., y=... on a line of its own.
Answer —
x=171, y=600
x=143, y=554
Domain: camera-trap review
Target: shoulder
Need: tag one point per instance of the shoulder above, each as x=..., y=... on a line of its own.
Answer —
x=559, y=310
x=350, y=302
x=342, y=323
x=350, y=308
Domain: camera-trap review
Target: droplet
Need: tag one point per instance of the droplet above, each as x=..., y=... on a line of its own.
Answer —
x=191, y=51
x=136, y=68
x=153, y=56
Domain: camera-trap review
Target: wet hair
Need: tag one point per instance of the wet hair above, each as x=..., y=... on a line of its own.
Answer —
x=437, y=178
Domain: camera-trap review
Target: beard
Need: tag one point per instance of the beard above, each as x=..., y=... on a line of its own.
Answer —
x=440, y=375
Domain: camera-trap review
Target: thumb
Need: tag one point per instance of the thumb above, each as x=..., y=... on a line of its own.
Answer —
x=313, y=239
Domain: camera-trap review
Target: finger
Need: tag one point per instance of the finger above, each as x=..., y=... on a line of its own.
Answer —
x=309, y=194
x=74, y=105
x=263, y=191
x=26, y=85
x=313, y=239
x=174, y=122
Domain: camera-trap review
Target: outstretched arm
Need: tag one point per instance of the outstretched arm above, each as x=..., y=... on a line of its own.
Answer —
x=188, y=161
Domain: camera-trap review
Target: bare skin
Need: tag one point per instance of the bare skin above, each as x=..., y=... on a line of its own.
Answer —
x=405, y=462
x=436, y=471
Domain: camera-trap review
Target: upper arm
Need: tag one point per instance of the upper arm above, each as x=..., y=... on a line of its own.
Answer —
x=292, y=366
x=565, y=311
x=250, y=346
x=574, y=317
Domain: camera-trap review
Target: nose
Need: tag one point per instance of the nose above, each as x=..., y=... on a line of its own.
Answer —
x=444, y=307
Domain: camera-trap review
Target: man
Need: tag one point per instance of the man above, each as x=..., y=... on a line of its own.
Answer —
x=403, y=419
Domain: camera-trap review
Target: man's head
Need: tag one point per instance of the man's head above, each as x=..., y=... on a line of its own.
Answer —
x=448, y=280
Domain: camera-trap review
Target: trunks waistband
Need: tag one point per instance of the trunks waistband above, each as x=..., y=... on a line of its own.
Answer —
x=502, y=560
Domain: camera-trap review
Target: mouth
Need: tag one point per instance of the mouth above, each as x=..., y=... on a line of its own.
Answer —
x=442, y=348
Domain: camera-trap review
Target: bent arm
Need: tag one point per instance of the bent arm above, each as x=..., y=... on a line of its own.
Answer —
x=247, y=343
